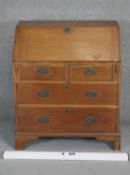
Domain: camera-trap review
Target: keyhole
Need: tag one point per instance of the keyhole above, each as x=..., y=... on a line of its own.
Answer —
x=66, y=87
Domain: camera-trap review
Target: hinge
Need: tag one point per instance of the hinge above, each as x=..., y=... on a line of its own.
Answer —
x=116, y=68
x=17, y=68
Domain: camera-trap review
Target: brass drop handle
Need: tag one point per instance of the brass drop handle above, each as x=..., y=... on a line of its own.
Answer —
x=90, y=120
x=43, y=119
x=90, y=71
x=67, y=30
x=42, y=70
x=42, y=94
x=91, y=94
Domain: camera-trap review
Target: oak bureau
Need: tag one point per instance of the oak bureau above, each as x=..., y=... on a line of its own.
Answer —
x=67, y=80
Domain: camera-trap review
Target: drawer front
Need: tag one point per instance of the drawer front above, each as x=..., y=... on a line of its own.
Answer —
x=45, y=93
x=59, y=119
x=40, y=71
x=91, y=72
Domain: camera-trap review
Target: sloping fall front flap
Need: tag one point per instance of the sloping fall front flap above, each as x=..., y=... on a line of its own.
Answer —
x=67, y=41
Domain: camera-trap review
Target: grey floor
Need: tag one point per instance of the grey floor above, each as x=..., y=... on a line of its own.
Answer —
x=42, y=167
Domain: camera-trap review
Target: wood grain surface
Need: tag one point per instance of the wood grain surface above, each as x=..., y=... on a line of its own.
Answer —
x=67, y=80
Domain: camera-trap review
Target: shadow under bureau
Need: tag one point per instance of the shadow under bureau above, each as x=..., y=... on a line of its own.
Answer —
x=67, y=80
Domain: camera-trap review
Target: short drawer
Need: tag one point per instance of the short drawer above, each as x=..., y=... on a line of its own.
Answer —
x=39, y=71
x=59, y=93
x=61, y=119
x=91, y=72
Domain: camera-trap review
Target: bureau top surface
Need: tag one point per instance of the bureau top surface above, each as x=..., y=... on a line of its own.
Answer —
x=67, y=41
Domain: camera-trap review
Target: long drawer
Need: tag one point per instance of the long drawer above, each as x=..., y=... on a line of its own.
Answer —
x=58, y=93
x=61, y=119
